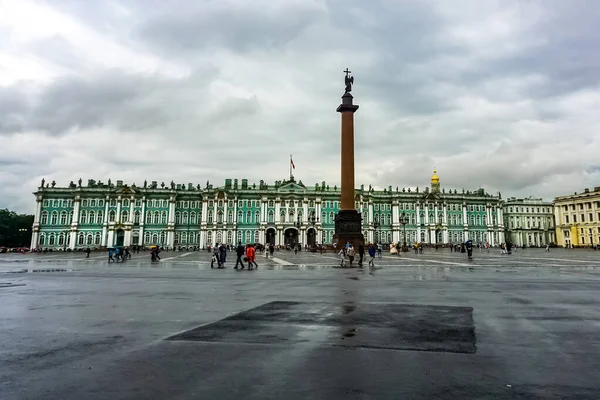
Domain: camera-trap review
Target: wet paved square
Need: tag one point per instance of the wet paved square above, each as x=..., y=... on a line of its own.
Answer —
x=377, y=326
x=434, y=326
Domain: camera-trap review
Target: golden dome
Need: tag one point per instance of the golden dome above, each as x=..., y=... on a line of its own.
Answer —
x=434, y=178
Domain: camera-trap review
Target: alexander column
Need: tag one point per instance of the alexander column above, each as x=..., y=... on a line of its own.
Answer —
x=348, y=220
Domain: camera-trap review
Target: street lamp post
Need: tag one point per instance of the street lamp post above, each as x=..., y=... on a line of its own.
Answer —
x=66, y=232
x=313, y=220
x=298, y=225
x=404, y=221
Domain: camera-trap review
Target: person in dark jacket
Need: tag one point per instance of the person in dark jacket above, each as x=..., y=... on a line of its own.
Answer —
x=222, y=255
x=240, y=251
x=361, y=254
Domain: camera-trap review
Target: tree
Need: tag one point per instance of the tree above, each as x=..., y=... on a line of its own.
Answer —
x=15, y=229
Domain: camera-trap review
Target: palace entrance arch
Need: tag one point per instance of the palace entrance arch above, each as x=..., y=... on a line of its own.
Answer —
x=311, y=237
x=290, y=237
x=270, y=236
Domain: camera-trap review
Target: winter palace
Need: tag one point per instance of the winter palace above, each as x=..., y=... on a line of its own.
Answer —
x=100, y=214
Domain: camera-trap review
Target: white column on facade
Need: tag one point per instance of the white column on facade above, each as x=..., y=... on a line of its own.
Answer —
x=131, y=208
x=142, y=220
x=171, y=223
x=104, y=224
x=305, y=210
x=277, y=213
x=263, y=216
x=205, y=211
x=118, y=216
x=426, y=213
x=36, y=223
x=74, y=223
x=225, y=215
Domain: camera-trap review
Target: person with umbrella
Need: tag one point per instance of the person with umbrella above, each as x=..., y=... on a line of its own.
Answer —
x=469, y=248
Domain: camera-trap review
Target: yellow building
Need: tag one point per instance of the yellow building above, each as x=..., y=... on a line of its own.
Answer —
x=577, y=219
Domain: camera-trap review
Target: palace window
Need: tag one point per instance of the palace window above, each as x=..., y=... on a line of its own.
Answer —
x=83, y=217
x=249, y=217
x=210, y=216
x=229, y=237
x=113, y=202
x=42, y=239
x=156, y=218
x=63, y=218
x=155, y=239
x=229, y=217
x=90, y=239
x=177, y=218
x=256, y=237
x=248, y=236
x=257, y=217
x=97, y=240
x=125, y=203
x=136, y=217
x=55, y=203
x=125, y=216
x=45, y=203
x=192, y=218
x=163, y=217
x=92, y=217
x=81, y=239
x=239, y=236
x=240, y=217
x=111, y=216
x=51, y=240
x=271, y=203
x=271, y=217
x=230, y=204
x=240, y=204
x=54, y=218
x=220, y=217
x=100, y=203
x=478, y=220
x=331, y=217
x=148, y=217
x=147, y=238
x=211, y=203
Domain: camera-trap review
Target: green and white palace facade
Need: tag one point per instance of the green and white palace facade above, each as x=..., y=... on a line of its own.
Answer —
x=182, y=216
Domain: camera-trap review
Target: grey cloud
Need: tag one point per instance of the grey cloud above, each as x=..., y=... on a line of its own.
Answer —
x=237, y=25
x=268, y=78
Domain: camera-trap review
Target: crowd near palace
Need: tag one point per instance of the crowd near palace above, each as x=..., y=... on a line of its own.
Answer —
x=288, y=212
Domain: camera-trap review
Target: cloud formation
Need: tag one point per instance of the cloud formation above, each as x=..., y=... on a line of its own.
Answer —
x=500, y=95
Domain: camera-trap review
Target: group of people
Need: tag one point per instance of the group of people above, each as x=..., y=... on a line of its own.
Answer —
x=349, y=252
x=116, y=254
x=244, y=253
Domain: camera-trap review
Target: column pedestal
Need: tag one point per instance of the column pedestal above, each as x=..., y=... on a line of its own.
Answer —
x=348, y=228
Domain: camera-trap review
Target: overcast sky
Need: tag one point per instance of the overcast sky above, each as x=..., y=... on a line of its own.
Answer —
x=503, y=94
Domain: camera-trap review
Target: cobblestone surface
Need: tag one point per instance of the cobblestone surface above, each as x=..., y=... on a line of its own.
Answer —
x=94, y=330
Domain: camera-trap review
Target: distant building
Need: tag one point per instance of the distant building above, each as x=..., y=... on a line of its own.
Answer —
x=529, y=222
x=287, y=212
x=578, y=219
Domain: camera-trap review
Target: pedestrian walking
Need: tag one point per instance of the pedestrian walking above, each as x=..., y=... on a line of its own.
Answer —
x=222, y=255
x=215, y=257
x=351, y=254
x=361, y=254
x=379, y=250
x=110, y=255
x=342, y=255
x=371, y=255
x=239, y=252
x=547, y=248
x=87, y=253
x=251, y=256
